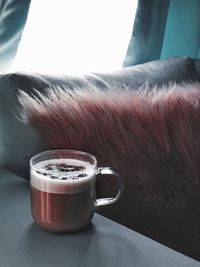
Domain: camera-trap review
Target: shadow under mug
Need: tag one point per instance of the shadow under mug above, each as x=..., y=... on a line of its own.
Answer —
x=63, y=194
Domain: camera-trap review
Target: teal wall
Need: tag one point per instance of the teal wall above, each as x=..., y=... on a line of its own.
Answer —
x=182, y=34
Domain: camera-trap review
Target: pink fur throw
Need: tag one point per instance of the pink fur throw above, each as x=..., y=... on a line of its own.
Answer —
x=152, y=138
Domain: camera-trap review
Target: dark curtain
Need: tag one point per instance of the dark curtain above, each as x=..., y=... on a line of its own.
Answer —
x=164, y=28
x=13, y=15
x=148, y=32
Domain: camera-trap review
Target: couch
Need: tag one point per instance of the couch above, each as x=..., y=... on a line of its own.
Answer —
x=19, y=142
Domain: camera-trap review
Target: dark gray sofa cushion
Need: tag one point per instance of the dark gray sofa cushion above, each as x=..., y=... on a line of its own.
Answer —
x=18, y=142
x=158, y=72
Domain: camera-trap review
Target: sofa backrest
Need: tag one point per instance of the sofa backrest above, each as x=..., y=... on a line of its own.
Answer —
x=18, y=141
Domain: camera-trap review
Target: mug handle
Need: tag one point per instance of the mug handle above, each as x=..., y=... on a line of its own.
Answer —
x=107, y=201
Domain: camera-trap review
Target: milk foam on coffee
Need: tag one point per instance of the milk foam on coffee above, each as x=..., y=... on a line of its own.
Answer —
x=49, y=176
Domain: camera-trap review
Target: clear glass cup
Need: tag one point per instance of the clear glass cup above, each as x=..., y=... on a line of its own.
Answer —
x=63, y=195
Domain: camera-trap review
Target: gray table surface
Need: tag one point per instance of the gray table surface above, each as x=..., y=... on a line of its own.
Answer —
x=104, y=243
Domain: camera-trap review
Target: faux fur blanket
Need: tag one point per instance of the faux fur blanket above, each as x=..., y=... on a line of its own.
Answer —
x=152, y=138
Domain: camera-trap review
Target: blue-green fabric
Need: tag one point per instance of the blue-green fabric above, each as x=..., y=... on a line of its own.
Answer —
x=148, y=32
x=13, y=15
x=182, y=33
x=164, y=29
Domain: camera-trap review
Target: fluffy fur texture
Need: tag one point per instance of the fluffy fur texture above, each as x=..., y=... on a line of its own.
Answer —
x=152, y=138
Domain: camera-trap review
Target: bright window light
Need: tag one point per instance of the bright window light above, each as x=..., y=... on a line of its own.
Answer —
x=75, y=36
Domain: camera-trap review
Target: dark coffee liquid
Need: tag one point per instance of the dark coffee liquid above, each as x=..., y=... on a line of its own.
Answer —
x=62, y=212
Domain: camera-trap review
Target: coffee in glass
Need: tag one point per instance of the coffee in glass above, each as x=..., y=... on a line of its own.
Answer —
x=63, y=195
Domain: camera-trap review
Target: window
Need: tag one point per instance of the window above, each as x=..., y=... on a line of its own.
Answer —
x=75, y=36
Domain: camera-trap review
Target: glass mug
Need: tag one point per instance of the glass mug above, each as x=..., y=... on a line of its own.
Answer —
x=63, y=195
